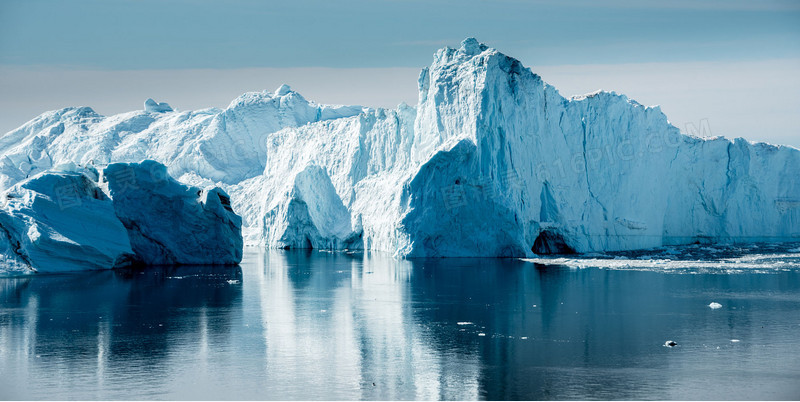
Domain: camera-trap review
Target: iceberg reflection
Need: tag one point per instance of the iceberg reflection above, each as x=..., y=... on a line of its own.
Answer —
x=316, y=325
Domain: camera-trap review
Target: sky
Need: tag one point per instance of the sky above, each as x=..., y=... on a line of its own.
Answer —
x=728, y=66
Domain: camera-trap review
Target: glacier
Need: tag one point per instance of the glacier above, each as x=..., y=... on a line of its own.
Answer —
x=72, y=218
x=492, y=161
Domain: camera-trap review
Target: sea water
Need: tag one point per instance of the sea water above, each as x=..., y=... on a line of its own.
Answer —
x=319, y=325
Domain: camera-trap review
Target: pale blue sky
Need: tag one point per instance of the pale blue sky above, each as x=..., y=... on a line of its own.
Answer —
x=160, y=34
x=183, y=44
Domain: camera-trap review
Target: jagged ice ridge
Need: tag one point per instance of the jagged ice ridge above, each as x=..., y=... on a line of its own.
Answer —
x=492, y=161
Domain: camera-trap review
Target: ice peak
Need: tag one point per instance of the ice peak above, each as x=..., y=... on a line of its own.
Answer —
x=154, y=107
x=471, y=46
x=283, y=90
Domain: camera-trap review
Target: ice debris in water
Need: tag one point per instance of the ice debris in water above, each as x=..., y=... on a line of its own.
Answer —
x=715, y=305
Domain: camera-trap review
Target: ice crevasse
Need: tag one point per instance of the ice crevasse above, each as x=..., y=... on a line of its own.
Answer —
x=492, y=161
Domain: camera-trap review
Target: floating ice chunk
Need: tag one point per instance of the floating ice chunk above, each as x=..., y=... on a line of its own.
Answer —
x=464, y=323
x=72, y=219
x=481, y=334
x=171, y=223
x=715, y=305
x=735, y=340
x=60, y=221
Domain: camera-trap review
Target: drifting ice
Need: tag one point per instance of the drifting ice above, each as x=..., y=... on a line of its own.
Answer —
x=73, y=218
x=491, y=162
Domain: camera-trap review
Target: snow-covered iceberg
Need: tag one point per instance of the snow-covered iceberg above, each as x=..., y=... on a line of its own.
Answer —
x=61, y=221
x=76, y=218
x=491, y=162
x=169, y=222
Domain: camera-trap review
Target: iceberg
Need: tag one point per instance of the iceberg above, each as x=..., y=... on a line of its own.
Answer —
x=72, y=218
x=491, y=162
x=170, y=223
x=61, y=221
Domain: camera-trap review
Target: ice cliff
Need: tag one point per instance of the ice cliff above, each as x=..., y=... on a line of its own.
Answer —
x=75, y=218
x=492, y=161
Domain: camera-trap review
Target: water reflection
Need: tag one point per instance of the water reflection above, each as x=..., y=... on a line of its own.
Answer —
x=100, y=334
x=312, y=325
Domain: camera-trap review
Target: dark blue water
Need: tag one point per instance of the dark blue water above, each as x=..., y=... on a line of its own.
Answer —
x=312, y=325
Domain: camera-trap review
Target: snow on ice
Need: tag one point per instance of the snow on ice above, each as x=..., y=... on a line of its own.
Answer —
x=76, y=218
x=492, y=161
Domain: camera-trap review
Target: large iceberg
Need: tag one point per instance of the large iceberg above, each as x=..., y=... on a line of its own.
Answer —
x=61, y=220
x=170, y=223
x=74, y=218
x=492, y=161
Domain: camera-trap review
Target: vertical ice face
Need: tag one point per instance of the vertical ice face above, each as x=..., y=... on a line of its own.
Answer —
x=492, y=161
x=599, y=172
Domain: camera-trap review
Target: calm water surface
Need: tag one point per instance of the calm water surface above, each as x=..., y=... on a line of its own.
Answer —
x=314, y=325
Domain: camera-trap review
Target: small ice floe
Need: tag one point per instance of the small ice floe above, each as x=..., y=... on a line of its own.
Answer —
x=464, y=323
x=481, y=334
x=523, y=338
x=233, y=282
x=735, y=341
x=715, y=305
x=670, y=344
